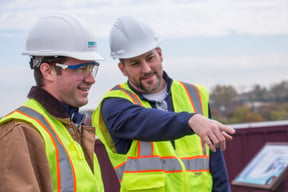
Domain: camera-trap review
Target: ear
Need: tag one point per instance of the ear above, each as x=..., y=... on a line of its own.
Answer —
x=47, y=71
x=121, y=66
x=159, y=51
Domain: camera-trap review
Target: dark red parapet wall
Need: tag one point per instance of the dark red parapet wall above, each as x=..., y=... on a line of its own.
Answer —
x=247, y=142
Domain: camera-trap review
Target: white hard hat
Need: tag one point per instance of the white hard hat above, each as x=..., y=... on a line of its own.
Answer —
x=131, y=37
x=62, y=34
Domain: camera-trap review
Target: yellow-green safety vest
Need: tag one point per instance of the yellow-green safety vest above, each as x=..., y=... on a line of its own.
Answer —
x=158, y=166
x=68, y=166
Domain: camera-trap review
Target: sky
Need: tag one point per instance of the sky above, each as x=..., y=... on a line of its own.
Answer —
x=209, y=42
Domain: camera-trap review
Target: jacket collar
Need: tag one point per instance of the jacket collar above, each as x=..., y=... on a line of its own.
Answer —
x=55, y=107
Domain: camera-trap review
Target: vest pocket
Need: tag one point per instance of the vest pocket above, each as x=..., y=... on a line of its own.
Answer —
x=147, y=182
x=202, y=181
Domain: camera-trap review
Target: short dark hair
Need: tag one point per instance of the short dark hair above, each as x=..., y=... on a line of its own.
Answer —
x=121, y=61
x=50, y=59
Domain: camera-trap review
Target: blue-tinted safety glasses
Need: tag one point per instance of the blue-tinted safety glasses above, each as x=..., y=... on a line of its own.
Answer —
x=81, y=70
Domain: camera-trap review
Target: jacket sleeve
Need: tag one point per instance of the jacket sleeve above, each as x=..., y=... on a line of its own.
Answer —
x=219, y=172
x=218, y=169
x=24, y=165
x=132, y=121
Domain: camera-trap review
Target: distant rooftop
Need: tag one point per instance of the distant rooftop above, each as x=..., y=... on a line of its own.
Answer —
x=259, y=124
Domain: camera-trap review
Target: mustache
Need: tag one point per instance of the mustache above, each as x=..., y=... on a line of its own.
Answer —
x=148, y=75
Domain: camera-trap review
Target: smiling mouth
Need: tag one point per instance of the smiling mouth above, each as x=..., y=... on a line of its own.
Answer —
x=84, y=89
x=148, y=76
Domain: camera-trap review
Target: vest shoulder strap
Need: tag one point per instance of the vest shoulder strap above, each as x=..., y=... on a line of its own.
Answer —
x=65, y=172
x=130, y=94
x=195, y=96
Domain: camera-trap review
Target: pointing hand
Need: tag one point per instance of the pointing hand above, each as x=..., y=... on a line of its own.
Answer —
x=212, y=132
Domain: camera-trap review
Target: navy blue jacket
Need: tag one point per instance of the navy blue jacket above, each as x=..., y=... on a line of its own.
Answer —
x=126, y=122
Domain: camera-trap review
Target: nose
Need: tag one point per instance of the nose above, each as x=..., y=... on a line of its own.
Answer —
x=146, y=68
x=91, y=72
x=90, y=78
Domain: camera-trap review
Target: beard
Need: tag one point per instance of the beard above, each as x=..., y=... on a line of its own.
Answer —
x=152, y=88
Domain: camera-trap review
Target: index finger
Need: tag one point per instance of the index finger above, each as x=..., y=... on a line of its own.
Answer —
x=209, y=143
x=227, y=129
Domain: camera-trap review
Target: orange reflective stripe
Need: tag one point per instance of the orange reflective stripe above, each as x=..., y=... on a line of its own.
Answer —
x=130, y=94
x=65, y=171
x=145, y=161
x=196, y=101
x=196, y=164
x=120, y=170
x=194, y=96
x=145, y=148
x=152, y=164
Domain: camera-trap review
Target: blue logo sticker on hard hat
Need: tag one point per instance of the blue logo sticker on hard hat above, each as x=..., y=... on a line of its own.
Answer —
x=91, y=44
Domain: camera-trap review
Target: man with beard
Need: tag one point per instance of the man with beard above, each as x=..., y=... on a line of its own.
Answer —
x=158, y=131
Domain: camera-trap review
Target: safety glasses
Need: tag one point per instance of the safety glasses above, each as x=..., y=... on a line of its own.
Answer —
x=82, y=70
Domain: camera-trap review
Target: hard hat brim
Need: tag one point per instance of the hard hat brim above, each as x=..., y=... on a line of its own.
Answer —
x=77, y=55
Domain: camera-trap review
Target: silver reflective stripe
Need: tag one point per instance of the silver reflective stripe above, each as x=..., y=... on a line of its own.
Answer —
x=119, y=171
x=152, y=164
x=197, y=164
x=204, y=147
x=145, y=148
x=66, y=173
x=131, y=95
x=146, y=162
x=192, y=90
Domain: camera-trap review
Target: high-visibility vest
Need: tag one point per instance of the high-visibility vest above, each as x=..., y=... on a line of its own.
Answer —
x=68, y=166
x=158, y=166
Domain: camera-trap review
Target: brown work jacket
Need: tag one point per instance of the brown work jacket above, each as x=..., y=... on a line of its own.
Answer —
x=23, y=162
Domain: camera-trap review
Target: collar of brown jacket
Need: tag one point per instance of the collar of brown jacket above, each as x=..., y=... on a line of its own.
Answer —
x=50, y=103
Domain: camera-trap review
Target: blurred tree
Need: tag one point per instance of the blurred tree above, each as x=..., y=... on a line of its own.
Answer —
x=259, y=93
x=223, y=100
x=272, y=111
x=243, y=114
x=259, y=104
x=285, y=106
x=280, y=92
